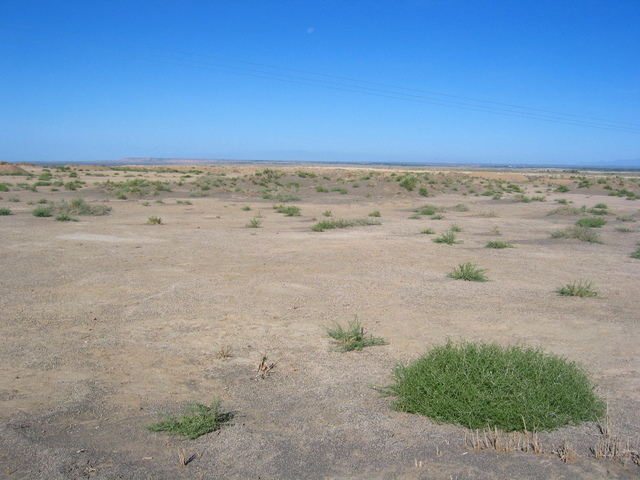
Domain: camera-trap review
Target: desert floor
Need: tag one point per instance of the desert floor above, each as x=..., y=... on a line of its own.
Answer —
x=109, y=321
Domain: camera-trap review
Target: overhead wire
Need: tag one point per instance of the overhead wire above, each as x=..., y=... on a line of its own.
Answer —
x=322, y=80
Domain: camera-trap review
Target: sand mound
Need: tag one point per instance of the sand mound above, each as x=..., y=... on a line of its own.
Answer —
x=8, y=169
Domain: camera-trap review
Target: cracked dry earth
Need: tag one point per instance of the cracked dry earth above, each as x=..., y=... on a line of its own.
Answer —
x=109, y=321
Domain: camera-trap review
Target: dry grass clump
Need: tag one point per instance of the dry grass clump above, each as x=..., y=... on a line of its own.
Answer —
x=197, y=420
x=579, y=288
x=353, y=337
x=584, y=234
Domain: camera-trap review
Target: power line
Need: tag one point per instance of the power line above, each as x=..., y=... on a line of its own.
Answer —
x=333, y=82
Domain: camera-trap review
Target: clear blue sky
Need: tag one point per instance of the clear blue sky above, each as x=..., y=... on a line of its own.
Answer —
x=94, y=80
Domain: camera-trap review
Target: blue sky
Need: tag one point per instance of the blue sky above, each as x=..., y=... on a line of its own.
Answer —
x=406, y=81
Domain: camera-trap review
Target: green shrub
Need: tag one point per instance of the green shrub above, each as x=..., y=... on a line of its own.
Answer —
x=591, y=222
x=342, y=223
x=375, y=213
x=584, y=234
x=42, y=211
x=461, y=207
x=566, y=210
x=5, y=211
x=447, y=237
x=636, y=253
x=577, y=289
x=353, y=337
x=455, y=228
x=480, y=385
x=288, y=210
x=498, y=244
x=469, y=272
x=562, y=189
x=198, y=420
x=4, y=187
x=255, y=222
x=63, y=217
x=154, y=220
x=428, y=231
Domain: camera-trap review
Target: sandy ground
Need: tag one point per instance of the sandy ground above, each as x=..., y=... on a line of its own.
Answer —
x=108, y=321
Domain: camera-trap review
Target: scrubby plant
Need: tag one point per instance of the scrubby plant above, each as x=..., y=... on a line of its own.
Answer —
x=480, y=385
x=584, y=234
x=327, y=213
x=288, y=210
x=566, y=210
x=636, y=253
x=439, y=216
x=154, y=220
x=498, y=244
x=198, y=420
x=5, y=211
x=255, y=222
x=591, y=222
x=446, y=237
x=353, y=337
x=42, y=211
x=375, y=213
x=578, y=288
x=469, y=272
x=428, y=231
x=342, y=223
x=455, y=228
x=461, y=207
x=63, y=217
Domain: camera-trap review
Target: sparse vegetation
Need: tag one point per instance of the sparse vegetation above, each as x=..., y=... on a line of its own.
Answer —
x=375, y=213
x=591, y=222
x=63, y=217
x=198, y=420
x=584, y=234
x=455, y=228
x=288, y=210
x=42, y=211
x=498, y=244
x=154, y=220
x=578, y=288
x=255, y=222
x=446, y=237
x=342, y=223
x=428, y=231
x=479, y=385
x=5, y=211
x=469, y=272
x=353, y=337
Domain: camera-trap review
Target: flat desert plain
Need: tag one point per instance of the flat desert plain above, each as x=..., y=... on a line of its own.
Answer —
x=108, y=321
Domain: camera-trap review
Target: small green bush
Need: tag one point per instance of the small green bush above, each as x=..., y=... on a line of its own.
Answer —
x=498, y=244
x=5, y=211
x=469, y=272
x=480, y=385
x=455, y=228
x=428, y=231
x=591, y=222
x=63, y=217
x=353, y=337
x=288, y=210
x=584, y=234
x=375, y=213
x=255, y=222
x=446, y=237
x=154, y=220
x=579, y=288
x=42, y=211
x=562, y=189
x=198, y=420
x=342, y=223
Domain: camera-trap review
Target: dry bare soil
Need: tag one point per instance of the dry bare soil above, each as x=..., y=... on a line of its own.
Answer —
x=110, y=320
